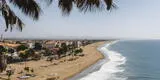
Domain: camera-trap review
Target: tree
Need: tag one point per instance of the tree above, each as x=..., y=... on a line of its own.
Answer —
x=47, y=52
x=3, y=59
x=10, y=58
x=31, y=8
x=38, y=46
x=64, y=48
x=30, y=52
x=10, y=50
x=23, y=56
x=27, y=69
x=21, y=48
x=2, y=49
x=80, y=50
x=77, y=51
x=9, y=73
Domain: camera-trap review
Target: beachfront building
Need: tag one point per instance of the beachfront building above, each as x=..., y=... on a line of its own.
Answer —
x=79, y=44
x=31, y=45
x=49, y=44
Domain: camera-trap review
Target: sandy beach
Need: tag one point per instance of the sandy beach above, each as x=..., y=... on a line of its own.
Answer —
x=63, y=69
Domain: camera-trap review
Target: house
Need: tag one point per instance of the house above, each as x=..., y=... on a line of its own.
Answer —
x=79, y=44
x=49, y=44
x=31, y=45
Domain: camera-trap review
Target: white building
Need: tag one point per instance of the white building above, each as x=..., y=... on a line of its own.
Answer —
x=31, y=45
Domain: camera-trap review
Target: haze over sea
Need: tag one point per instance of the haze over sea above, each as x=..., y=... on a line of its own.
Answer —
x=130, y=60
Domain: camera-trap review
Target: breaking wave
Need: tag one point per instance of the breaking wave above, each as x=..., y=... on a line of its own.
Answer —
x=113, y=69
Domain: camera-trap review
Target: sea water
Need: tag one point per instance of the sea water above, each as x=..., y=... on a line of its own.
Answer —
x=129, y=60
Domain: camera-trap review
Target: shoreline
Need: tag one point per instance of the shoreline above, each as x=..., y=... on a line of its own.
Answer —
x=91, y=64
x=95, y=66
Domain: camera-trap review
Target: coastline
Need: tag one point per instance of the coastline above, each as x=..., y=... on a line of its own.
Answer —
x=65, y=69
x=95, y=66
x=89, y=49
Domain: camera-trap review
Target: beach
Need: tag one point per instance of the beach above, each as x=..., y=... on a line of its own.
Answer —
x=63, y=69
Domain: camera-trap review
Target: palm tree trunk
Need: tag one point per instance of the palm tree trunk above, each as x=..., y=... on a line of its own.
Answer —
x=3, y=62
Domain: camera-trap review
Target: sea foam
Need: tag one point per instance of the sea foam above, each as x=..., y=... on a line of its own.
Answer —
x=111, y=69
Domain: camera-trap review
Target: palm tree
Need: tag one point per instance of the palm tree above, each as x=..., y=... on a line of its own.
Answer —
x=31, y=8
x=38, y=46
x=3, y=59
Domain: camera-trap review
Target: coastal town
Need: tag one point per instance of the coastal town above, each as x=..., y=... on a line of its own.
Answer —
x=39, y=59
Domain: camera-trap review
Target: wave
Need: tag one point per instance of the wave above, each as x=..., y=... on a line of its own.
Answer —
x=111, y=70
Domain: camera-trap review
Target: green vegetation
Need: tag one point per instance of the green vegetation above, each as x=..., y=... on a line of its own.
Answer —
x=78, y=51
x=23, y=56
x=64, y=48
x=21, y=48
x=38, y=46
x=30, y=52
x=2, y=49
x=9, y=73
x=10, y=50
x=47, y=52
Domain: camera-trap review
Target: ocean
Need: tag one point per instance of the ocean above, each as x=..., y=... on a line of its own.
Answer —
x=129, y=60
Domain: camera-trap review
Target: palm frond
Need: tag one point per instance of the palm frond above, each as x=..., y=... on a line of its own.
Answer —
x=29, y=7
x=49, y=1
x=109, y=4
x=88, y=5
x=20, y=24
x=10, y=18
x=65, y=6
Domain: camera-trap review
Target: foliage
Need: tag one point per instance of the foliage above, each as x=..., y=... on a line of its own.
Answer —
x=47, y=52
x=27, y=53
x=36, y=57
x=60, y=51
x=21, y=47
x=80, y=50
x=27, y=69
x=32, y=70
x=77, y=51
x=2, y=49
x=9, y=73
x=64, y=48
x=30, y=52
x=18, y=42
x=57, y=46
x=38, y=46
x=3, y=58
x=23, y=55
x=32, y=9
x=3, y=62
x=10, y=50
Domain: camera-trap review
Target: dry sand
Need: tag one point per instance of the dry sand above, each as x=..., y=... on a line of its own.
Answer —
x=64, y=69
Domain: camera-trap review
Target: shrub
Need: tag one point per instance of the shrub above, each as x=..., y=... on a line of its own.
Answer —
x=77, y=51
x=2, y=49
x=21, y=47
x=38, y=46
x=10, y=50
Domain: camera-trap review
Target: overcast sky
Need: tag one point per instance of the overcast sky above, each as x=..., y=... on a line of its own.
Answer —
x=132, y=19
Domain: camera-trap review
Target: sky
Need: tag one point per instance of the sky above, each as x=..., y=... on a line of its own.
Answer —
x=133, y=19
